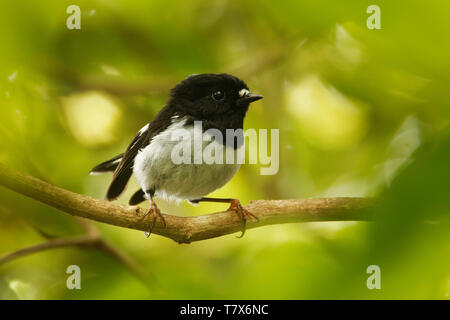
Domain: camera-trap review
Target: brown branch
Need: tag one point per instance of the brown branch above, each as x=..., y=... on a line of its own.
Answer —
x=91, y=238
x=90, y=231
x=86, y=240
x=50, y=244
x=188, y=229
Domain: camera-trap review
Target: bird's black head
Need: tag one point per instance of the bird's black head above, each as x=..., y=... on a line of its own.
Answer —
x=212, y=96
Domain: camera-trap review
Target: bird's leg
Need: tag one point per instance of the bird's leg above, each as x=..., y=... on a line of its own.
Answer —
x=236, y=206
x=152, y=211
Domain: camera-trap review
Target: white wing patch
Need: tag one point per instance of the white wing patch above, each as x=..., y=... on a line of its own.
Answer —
x=145, y=128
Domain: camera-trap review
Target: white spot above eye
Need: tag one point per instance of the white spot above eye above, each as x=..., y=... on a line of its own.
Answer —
x=243, y=92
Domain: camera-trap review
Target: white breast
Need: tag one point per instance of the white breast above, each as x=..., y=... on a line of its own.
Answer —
x=155, y=170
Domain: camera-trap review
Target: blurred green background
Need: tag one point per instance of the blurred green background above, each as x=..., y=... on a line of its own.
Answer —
x=361, y=113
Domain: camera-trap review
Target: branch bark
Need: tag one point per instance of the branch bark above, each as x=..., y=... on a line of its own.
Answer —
x=188, y=229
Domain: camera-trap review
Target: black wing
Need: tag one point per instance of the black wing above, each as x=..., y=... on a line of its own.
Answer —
x=125, y=168
x=107, y=166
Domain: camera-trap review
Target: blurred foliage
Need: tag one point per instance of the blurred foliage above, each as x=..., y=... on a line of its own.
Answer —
x=361, y=113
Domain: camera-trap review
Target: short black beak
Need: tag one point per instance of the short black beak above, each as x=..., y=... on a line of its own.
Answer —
x=249, y=98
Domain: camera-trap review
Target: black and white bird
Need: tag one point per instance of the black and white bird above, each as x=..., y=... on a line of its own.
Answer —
x=219, y=101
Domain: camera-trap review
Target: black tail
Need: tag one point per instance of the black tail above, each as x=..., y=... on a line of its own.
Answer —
x=137, y=198
x=107, y=166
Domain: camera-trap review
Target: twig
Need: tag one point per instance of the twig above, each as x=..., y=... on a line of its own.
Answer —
x=188, y=229
x=91, y=231
x=90, y=239
x=50, y=244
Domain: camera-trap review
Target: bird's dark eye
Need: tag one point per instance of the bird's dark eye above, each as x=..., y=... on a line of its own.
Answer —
x=218, y=95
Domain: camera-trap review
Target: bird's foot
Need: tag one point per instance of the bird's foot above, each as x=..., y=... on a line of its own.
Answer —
x=153, y=212
x=243, y=213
